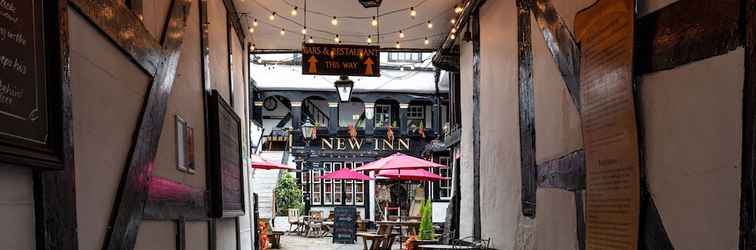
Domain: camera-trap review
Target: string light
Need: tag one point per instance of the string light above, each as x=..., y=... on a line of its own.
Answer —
x=369, y=39
x=452, y=36
x=310, y=40
x=334, y=21
x=453, y=21
x=251, y=30
x=458, y=9
x=426, y=41
x=412, y=67
x=398, y=45
x=401, y=34
x=294, y=11
x=374, y=22
x=272, y=16
x=254, y=23
x=454, y=30
x=304, y=30
x=283, y=32
x=413, y=13
x=252, y=47
x=430, y=24
x=336, y=39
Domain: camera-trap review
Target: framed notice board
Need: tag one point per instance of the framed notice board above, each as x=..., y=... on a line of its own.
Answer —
x=35, y=102
x=345, y=224
x=226, y=183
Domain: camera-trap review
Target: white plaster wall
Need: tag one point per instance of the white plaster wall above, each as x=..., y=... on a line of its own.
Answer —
x=17, y=208
x=157, y=235
x=466, y=142
x=556, y=222
x=155, y=14
x=692, y=118
x=226, y=234
x=439, y=211
x=499, y=136
x=216, y=14
x=108, y=90
x=197, y=231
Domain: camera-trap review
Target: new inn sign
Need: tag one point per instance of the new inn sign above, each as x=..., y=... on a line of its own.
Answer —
x=360, y=144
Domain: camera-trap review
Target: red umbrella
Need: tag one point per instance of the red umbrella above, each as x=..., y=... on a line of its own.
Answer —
x=260, y=163
x=399, y=161
x=346, y=174
x=411, y=175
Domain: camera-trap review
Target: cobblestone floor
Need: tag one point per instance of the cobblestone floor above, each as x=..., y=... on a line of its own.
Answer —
x=294, y=242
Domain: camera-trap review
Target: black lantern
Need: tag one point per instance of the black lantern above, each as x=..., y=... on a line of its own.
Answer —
x=370, y=3
x=307, y=130
x=344, y=86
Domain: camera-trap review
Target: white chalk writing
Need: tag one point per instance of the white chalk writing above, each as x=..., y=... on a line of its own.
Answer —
x=13, y=63
x=9, y=93
x=10, y=35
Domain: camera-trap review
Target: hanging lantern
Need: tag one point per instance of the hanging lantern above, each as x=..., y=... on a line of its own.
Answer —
x=344, y=87
x=370, y=3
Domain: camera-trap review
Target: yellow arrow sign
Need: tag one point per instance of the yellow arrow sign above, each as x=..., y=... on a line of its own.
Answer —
x=313, y=67
x=369, y=66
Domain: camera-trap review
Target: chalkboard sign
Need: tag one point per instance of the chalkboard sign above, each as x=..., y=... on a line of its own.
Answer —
x=32, y=79
x=345, y=224
x=226, y=179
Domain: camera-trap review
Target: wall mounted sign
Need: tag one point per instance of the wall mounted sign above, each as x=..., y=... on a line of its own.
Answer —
x=345, y=224
x=184, y=146
x=31, y=84
x=359, y=144
x=335, y=59
x=605, y=31
x=226, y=179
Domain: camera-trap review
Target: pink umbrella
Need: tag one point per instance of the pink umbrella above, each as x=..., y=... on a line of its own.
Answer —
x=260, y=163
x=399, y=161
x=411, y=175
x=346, y=174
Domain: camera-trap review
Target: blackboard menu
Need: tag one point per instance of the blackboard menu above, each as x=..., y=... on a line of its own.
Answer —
x=345, y=224
x=23, y=96
x=226, y=185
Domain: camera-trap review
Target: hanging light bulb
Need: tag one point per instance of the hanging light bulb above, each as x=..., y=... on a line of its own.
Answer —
x=310, y=40
x=426, y=41
x=453, y=21
x=401, y=67
x=454, y=30
x=272, y=16
x=374, y=22
x=458, y=9
x=336, y=39
x=304, y=30
x=252, y=47
x=251, y=30
x=334, y=21
x=401, y=34
x=283, y=32
x=413, y=13
x=369, y=39
x=254, y=23
x=412, y=67
x=398, y=45
x=430, y=24
x=294, y=11
x=452, y=36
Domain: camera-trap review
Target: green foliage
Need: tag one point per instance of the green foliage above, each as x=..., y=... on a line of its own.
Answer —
x=426, y=221
x=288, y=195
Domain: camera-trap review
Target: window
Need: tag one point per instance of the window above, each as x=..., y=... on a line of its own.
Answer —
x=348, y=186
x=444, y=186
x=416, y=117
x=327, y=185
x=383, y=115
x=405, y=57
x=359, y=189
x=352, y=113
x=337, y=185
x=316, y=187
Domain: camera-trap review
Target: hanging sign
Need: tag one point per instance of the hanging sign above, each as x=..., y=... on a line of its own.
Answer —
x=605, y=31
x=335, y=59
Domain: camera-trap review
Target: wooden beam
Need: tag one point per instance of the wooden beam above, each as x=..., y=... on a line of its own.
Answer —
x=561, y=43
x=566, y=172
x=475, y=29
x=125, y=29
x=686, y=31
x=748, y=171
x=652, y=236
x=181, y=235
x=235, y=19
x=580, y=218
x=526, y=110
x=130, y=200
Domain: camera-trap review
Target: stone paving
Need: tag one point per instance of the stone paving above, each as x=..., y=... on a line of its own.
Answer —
x=294, y=242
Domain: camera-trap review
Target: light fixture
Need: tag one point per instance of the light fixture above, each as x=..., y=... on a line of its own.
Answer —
x=369, y=39
x=272, y=16
x=369, y=111
x=344, y=87
x=412, y=67
x=398, y=45
x=426, y=41
x=452, y=36
x=401, y=68
x=307, y=128
x=310, y=40
x=430, y=24
x=413, y=13
x=252, y=47
x=304, y=30
x=294, y=11
x=374, y=22
x=337, y=39
x=453, y=21
x=401, y=34
x=254, y=23
x=454, y=30
x=334, y=21
x=370, y=3
x=283, y=32
x=251, y=30
x=458, y=9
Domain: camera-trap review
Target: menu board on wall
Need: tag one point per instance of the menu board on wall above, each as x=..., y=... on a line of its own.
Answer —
x=605, y=31
x=30, y=133
x=226, y=185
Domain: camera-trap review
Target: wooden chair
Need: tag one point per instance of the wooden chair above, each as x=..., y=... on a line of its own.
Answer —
x=294, y=220
x=315, y=224
x=381, y=240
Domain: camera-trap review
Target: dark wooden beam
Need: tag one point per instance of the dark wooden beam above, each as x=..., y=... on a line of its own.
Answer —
x=171, y=200
x=235, y=19
x=526, y=110
x=566, y=172
x=580, y=218
x=181, y=235
x=125, y=29
x=561, y=43
x=131, y=197
x=748, y=171
x=475, y=29
x=137, y=6
x=686, y=31
x=652, y=236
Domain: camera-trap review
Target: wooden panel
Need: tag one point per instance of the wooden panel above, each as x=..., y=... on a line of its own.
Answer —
x=566, y=172
x=225, y=170
x=475, y=27
x=171, y=200
x=605, y=31
x=526, y=99
x=686, y=31
x=748, y=182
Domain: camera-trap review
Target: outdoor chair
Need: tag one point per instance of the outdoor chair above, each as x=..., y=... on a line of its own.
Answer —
x=294, y=220
x=476, y=244
x=381, y=240
x=315, y=225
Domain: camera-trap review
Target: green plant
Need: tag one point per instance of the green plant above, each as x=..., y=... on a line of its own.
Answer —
x=288, y=195
x=426, y=221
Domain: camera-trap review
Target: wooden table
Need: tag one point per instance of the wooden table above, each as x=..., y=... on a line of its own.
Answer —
x=411, y=226
x=441, y=246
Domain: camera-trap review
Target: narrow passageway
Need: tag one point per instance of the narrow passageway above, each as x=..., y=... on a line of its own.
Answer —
x=294, y=242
